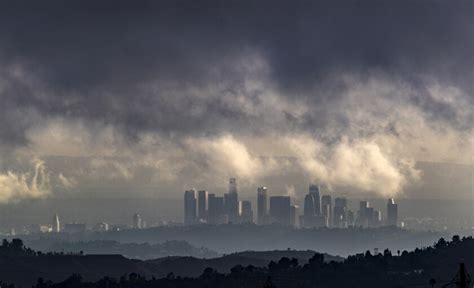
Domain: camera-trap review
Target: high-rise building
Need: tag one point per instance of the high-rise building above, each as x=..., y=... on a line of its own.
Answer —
x=350, y=218
x=340, y=212
x=202, y=205
x=392, y=213
x=56, y=227
x=369, y=217
x=376, y=220
x=216, y=213
x=231, y=206
x=190, y=207
x=326, y=207
x=232, y=186
x=231, y=202
x=308, y=211
x=280, y=210
x=247, y=213
x=261, y=205
x=315, y=192
x=364, y=213
x=137, y=221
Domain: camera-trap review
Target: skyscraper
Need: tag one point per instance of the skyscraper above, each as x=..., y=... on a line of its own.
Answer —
x=202, y=205
x=376, y=220
x=211, y=208
x=280, y=210
x=308, y=211
x=216, y=213
x=231, y=206
x=364, y=213
x=350, y=218
x=392, y=213
x=137, y=221
x=261, y=205
x=340, y=212
x=315, y=192
x=326, y=207
x=233, y=186
x=56, y=227
x=189, y=207
x=247, y=213
x=231, y=202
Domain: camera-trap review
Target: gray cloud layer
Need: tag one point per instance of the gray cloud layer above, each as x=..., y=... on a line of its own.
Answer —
x=154, y=91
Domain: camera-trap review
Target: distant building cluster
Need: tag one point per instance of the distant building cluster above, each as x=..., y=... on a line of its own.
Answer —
x=203, y=207
x=318, y=210
x=73, y=228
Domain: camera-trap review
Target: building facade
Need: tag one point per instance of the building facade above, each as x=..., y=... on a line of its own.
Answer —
x=262, y=210
x=190, y=215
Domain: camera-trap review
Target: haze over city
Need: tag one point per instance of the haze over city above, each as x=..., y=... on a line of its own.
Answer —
x=332, y=127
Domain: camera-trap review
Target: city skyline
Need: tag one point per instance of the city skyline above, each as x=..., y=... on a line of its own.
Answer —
x=277, y=209
x=213, y=143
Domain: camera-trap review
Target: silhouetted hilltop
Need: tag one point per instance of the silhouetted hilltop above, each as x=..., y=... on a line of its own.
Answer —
x=303, y=256
x=193, y=267
x=437, y=265
x=23, y=266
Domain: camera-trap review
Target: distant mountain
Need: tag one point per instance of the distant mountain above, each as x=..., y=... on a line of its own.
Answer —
x=142, y=251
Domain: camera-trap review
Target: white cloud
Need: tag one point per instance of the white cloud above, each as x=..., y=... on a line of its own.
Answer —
x=18, y=186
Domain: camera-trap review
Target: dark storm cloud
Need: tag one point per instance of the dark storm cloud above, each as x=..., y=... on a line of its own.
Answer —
x=90, y=58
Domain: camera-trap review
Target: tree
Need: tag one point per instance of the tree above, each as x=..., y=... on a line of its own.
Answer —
x=269, y=283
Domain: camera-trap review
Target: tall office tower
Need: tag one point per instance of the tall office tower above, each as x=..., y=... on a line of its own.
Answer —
x=261, y=205
x=339, y=217
x=232, y=186
x=369, y=216
x=231, y=204
x=350, y=218
x=137, y=221
x=308, y=211
x=392, y=213
x=189, y=207
x=56, y=227
x=326, y=207
x=340, y=201
x=326, y=213
x=340, y=212
x=376, y=219
x=364, y=214
x=280, y=210
x=247, y=213
x=202, y=205
x=212, y=208
x=216, y=210
x=315, y=192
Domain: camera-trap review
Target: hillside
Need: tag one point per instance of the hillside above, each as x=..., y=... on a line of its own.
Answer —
x=193, y=267
x=434, y=266
x=23, y=266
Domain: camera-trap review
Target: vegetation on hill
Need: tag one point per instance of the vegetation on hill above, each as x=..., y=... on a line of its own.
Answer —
x=432, y=266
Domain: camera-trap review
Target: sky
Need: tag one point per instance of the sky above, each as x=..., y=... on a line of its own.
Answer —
x=150, y=98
